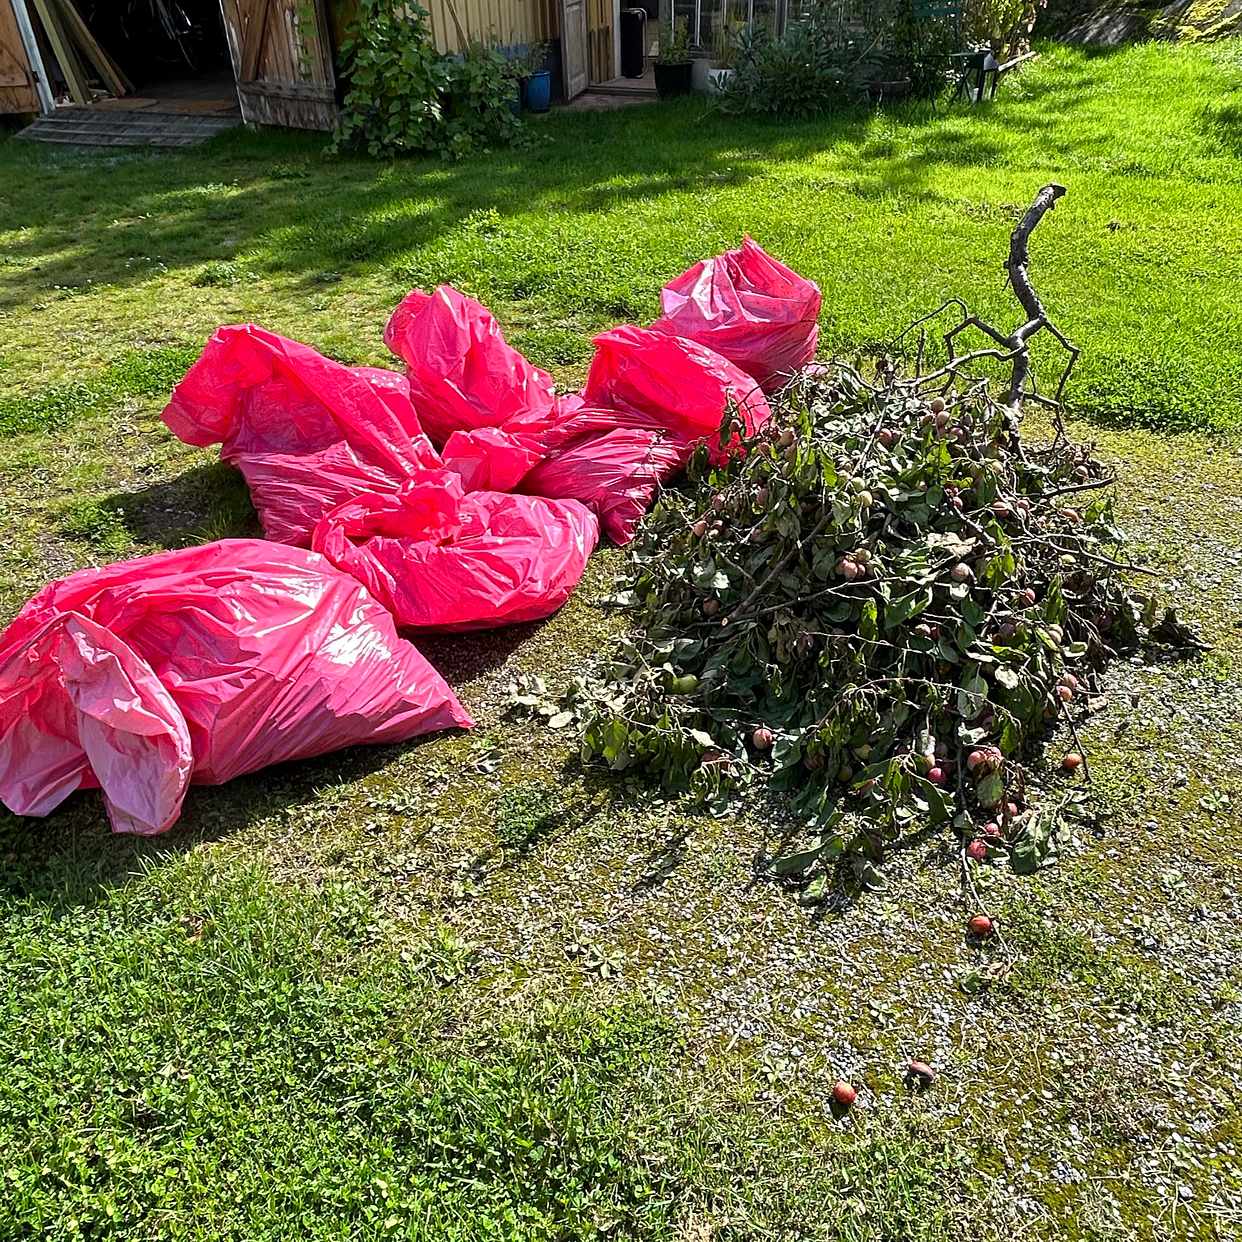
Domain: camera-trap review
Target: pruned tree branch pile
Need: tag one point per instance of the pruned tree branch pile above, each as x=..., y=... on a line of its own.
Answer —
x=880, y=607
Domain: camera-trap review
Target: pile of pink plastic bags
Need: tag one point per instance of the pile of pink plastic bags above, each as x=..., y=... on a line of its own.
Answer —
x=464, y=493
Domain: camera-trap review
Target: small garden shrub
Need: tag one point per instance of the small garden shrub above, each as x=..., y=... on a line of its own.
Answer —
x=481, y=88
x=799, y=74
x=834, y=54
x=1004, y=25
x=405, y=98
x=917, y=50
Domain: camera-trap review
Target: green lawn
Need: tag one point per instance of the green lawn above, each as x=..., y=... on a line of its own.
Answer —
x=108, y=262
x=463, y=989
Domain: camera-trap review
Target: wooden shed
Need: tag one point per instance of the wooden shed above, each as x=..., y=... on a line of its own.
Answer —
x=271, y=62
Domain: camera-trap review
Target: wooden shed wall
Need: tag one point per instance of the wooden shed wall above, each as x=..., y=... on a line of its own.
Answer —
x=503, y=22
x=454, y=23
x=17, y=93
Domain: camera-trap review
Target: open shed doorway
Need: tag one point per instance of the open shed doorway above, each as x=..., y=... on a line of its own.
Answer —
x=167, y=56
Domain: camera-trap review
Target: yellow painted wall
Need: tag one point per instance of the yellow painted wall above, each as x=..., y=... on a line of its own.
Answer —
x=454, y=23
x=506, y=22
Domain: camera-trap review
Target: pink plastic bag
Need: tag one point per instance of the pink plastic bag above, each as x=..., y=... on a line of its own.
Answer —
x=462, y=372
x=749, y=308
x=306, y=432
x=573, y=420
x=676, y=383
x=197, y=666
x=490, y=459
x=440, y=558
x=615, y=473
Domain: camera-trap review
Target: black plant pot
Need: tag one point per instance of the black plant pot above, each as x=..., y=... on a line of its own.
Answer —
x=672, y=80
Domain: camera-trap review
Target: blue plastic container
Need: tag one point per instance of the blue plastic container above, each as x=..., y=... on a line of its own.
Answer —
x=539, y=91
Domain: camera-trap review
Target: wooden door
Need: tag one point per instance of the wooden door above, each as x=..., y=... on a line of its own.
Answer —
x=282, y=59
x=575, y=67
x=599, y=40
x=17, y=83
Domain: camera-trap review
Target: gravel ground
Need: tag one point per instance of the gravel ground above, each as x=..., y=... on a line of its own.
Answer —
x=1089, y=1065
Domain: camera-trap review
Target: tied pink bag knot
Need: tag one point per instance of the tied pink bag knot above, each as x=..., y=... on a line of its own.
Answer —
x=463, y=374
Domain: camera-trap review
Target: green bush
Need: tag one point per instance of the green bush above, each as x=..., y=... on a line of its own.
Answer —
x=918, y=50
x=405, y=98
x=830, y=56
x=479, y=95
x=1004, y=25
x=799, y=74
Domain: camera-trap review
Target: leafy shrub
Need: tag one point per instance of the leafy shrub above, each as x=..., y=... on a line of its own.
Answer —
x=405, y=98
x=480, y=93
x=799, y=74
x=835, y=52
x=1004, y=25
x=396, y=78
x=917, y=50
x=674, y=43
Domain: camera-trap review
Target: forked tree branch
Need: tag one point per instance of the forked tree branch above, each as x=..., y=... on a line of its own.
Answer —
x=1018, y=268
x=1015, y=345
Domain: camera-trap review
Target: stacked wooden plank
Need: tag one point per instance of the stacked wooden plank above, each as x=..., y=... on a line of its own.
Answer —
x=74, y=47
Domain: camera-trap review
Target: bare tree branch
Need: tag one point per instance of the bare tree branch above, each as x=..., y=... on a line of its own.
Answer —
x=1015, y=345
x=1018, y=267
x=1019, y=254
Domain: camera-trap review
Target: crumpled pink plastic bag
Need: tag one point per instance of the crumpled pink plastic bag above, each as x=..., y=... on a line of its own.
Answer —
x=462, y=372
x=649, y=398
x=440, y=558
x=676, y=383
x=491, y=458
x=196, y=666
x=306, y=432
x=750, y=308
x=614, y=472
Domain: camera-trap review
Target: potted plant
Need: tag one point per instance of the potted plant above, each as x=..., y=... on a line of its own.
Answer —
x=535, y=80
x=724, y=70
x=672, y=65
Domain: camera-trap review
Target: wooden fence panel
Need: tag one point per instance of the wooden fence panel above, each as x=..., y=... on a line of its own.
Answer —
x=455, y=23
x=282, y=60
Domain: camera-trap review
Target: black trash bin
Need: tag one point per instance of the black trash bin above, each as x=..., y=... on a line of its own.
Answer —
x=633, y=42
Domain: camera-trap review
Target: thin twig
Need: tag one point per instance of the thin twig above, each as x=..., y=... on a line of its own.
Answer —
x=1086, y=767
x=1090, y=486
x=918, y=323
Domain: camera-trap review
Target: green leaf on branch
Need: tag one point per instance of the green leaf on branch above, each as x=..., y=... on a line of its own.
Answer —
x=990, y=790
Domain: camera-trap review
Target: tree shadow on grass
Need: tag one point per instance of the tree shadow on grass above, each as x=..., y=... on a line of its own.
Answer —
x=278, y=204
x=1220, y=123
x=295, y=211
